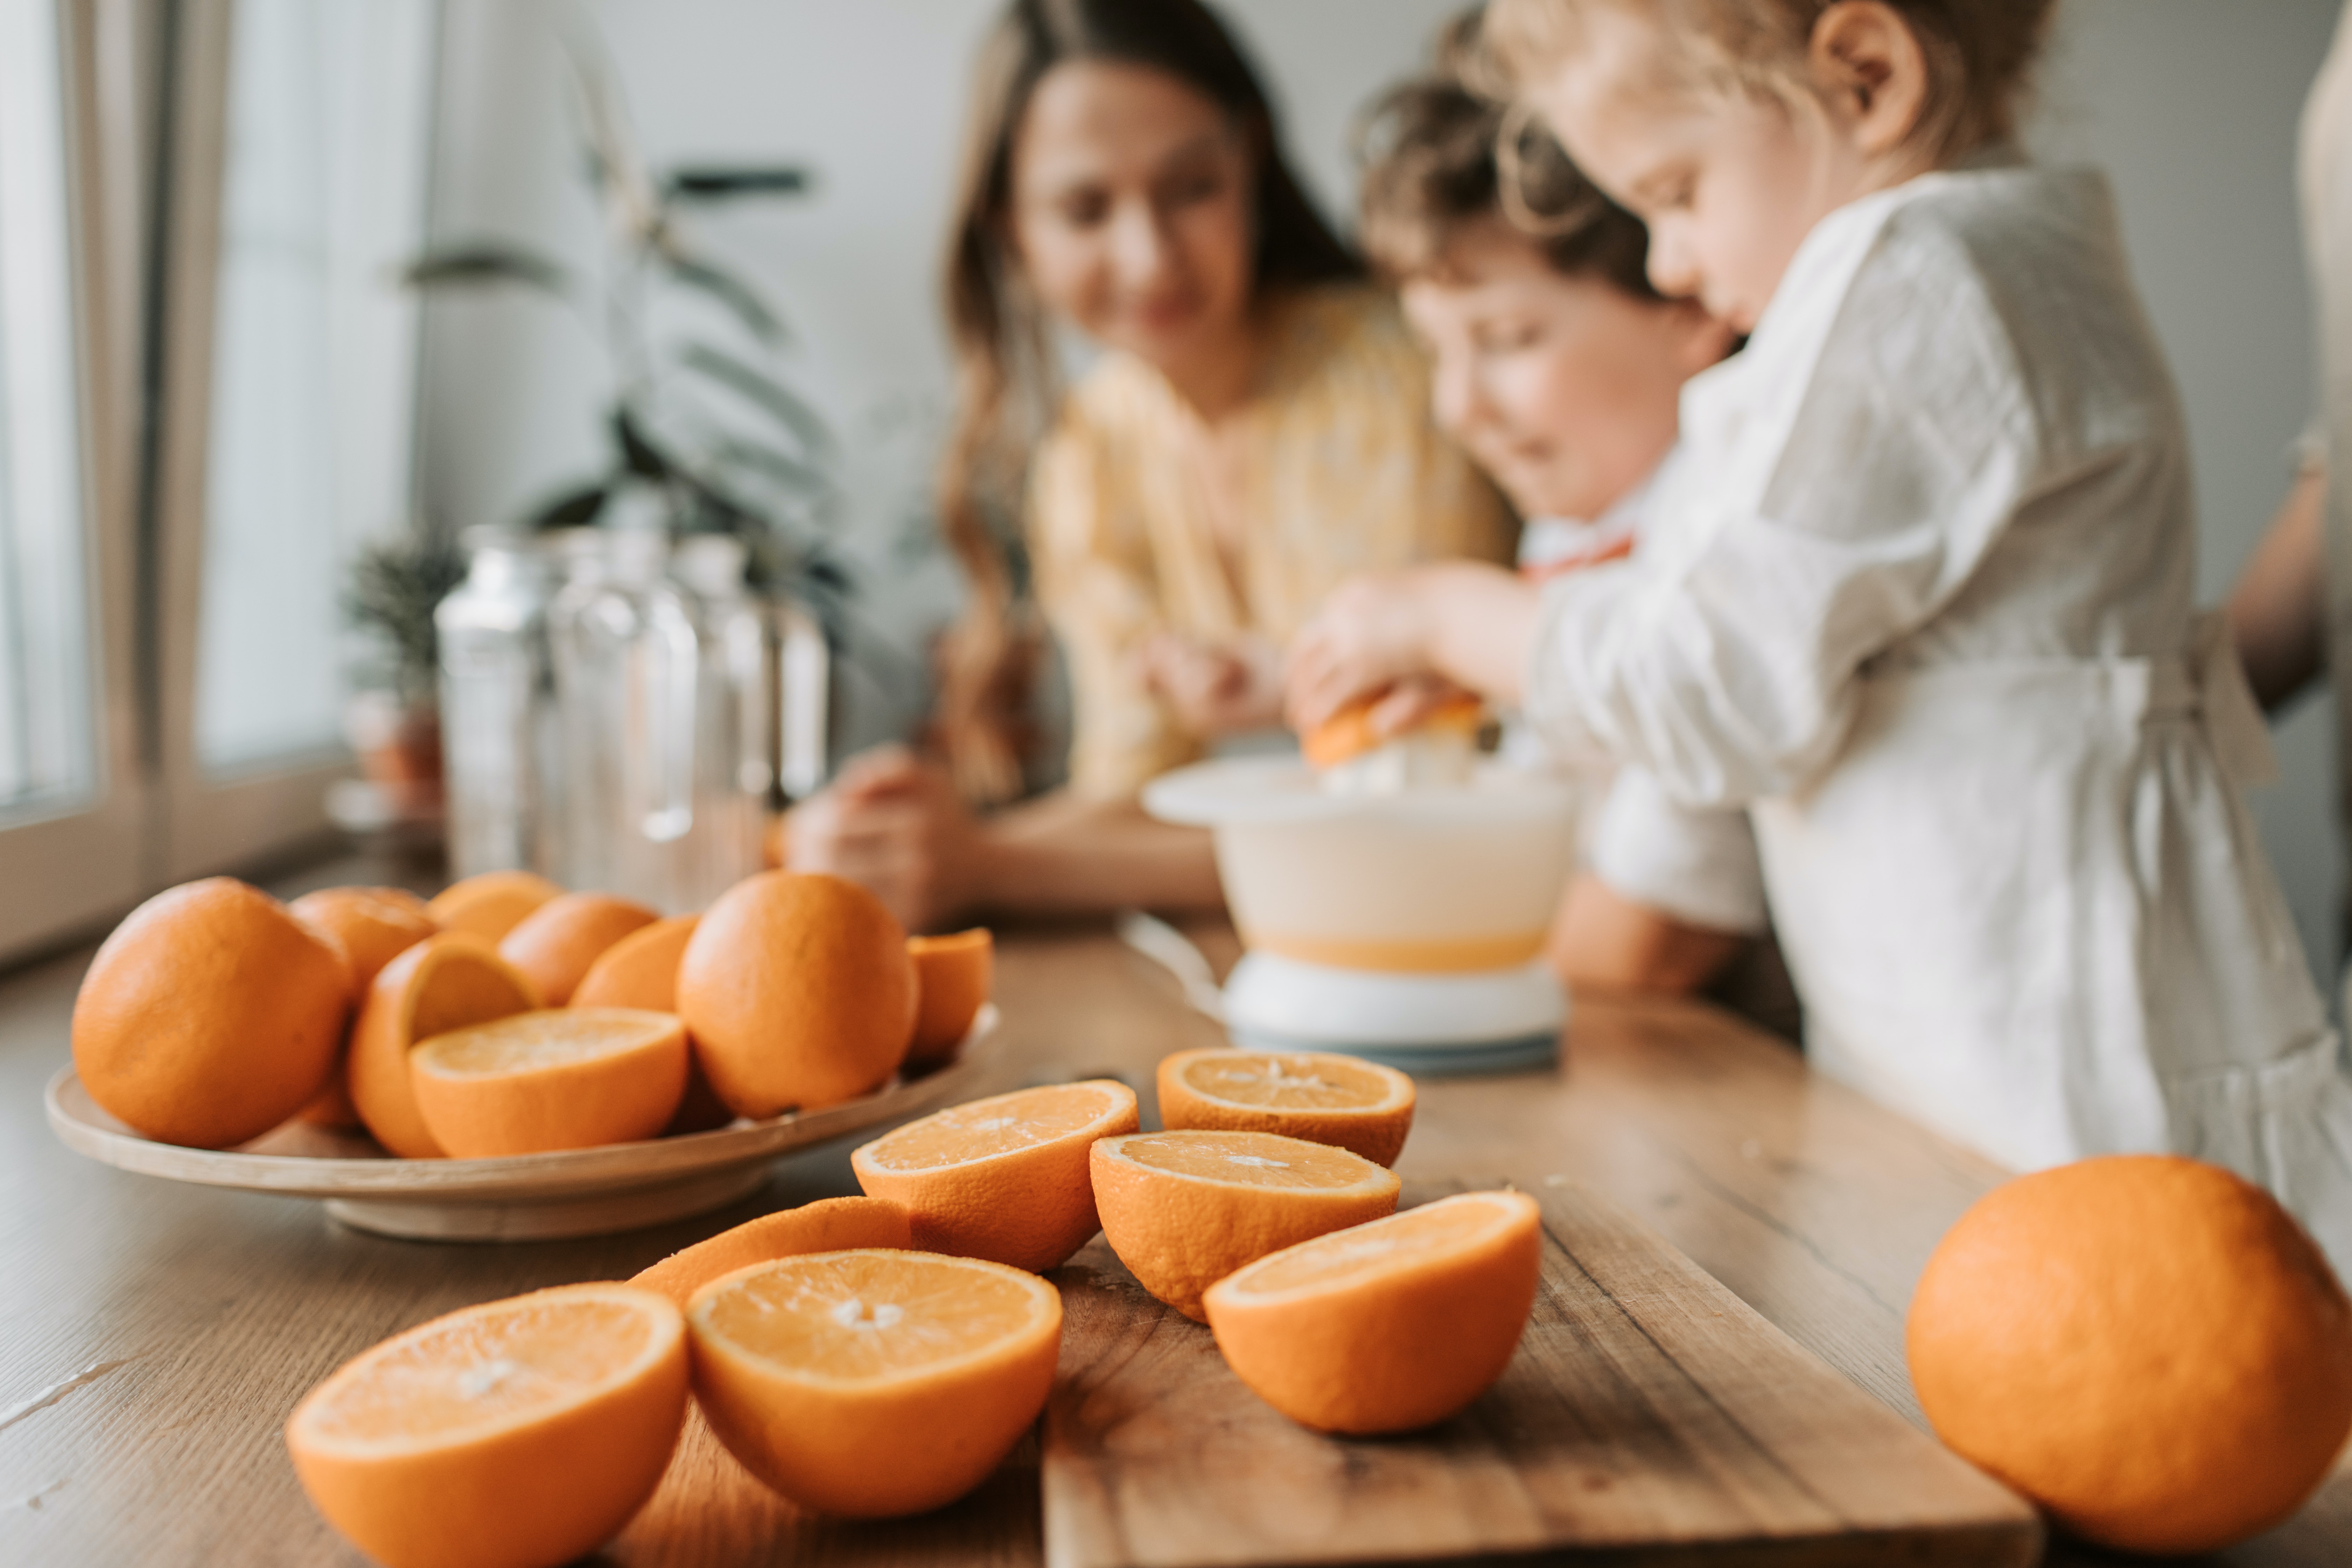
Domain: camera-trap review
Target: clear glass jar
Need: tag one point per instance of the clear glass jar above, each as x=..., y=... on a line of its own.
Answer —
x=800, y=664
x=626, y=651
x=495, y=685
x=733, y=772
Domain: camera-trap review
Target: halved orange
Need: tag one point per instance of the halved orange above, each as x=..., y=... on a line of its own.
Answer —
x=1389, y=1325
x=509, y=1435
x=444, y=983
x=1322, y=1097
x=490, y=903
x=564, y=1077
x=556, y=942
x=1349, y=733
x=1003, y=1178
x=641, y=971
x=1184, y=1209
x=952, y=977
x=871, y=1383
x=828, y=1224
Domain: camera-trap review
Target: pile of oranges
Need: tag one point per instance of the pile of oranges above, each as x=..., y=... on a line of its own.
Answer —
x=507, y=1015
x=880, y=1355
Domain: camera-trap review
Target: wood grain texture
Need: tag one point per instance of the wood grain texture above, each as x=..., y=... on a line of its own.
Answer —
x=1813, y=1206
x=1647, y=1409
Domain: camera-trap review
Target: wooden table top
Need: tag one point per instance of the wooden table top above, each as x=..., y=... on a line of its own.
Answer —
x=154, y=1336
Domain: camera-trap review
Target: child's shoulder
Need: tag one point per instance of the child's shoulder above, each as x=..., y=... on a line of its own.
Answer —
x=2013, y=273
x=2009, y=221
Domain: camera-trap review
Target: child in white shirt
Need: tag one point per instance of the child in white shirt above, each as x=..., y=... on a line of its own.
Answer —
x=1920, y=595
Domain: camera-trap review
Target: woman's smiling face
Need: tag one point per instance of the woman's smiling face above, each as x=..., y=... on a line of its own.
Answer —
x=1131, y=206
x=1563, y=388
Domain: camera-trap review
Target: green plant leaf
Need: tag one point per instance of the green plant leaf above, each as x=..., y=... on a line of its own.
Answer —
x=787, y=471
x=572, y=509
x=758, y=386
x=639, y=455
x=737, y=296
x=488, y=263
x=391, y=592
x=713, y=182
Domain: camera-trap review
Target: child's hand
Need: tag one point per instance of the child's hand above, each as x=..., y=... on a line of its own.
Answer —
x=1374, y=632
x=1220, y=687
x=1458, y=621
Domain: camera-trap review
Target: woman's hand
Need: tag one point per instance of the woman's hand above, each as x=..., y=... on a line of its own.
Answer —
x=1460, y=622
x=894, y=824
x=1224, y=687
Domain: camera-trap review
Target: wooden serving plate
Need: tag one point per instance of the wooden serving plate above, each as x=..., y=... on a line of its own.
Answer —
x=1650, y=1416
x=523, y=1197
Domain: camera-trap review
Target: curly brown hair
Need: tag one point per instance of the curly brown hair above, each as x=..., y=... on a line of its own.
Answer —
x=1979, y=53
x=1432, y=168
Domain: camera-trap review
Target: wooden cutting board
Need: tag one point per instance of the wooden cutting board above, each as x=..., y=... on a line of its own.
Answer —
x=1649, y=1416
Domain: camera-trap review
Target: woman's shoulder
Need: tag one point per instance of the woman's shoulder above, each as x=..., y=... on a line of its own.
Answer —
x=1328, y=347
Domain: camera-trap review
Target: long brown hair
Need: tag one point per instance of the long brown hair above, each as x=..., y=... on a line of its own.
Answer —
x=1005, y=387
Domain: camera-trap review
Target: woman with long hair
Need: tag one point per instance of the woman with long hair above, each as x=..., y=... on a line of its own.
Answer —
x=1254, y=430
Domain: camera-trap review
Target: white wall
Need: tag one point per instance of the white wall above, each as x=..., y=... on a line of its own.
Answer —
x=2191, y=108
x=2190, y=104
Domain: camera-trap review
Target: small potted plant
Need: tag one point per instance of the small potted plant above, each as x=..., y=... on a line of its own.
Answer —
x=393, y=721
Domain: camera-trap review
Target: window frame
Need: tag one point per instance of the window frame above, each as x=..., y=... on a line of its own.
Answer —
x=70, y=867
x=210, y=822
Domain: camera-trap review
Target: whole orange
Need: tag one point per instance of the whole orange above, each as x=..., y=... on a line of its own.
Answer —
x=211, y=1014
x=2148, y=1347
x=376, y=926
x=489, y=904
x=557, y=943
x=798, y=990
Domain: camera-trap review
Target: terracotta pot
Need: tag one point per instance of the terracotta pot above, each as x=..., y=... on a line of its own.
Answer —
x=399, y=747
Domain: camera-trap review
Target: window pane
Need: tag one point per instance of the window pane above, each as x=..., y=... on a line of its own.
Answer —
x=313, y=355
x=47, y=756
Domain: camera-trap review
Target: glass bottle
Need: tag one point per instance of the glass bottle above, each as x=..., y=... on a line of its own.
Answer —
x=496, y=691
x=732, y=767
x=799, y=665
x=628, y=658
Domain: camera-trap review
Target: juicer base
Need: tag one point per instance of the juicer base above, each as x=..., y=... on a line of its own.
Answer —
x=1502, y=1020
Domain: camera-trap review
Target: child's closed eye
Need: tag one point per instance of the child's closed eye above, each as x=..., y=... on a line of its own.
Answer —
x=1667, y=190
x=1508, y=337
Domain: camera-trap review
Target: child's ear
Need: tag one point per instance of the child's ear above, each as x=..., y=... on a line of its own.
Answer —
x=1871, y=73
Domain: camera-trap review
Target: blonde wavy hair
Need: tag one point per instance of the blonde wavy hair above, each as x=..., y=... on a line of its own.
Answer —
x=1979, y=53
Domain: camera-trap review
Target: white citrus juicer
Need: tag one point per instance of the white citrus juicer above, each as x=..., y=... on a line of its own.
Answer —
x=1406, y=926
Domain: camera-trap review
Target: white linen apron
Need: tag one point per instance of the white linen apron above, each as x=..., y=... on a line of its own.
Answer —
x=1920, y=599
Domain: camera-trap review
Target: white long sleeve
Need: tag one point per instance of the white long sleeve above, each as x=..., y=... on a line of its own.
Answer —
x=1904, y=466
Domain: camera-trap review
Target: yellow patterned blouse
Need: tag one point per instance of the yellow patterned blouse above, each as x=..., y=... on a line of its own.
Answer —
x=1341, y=472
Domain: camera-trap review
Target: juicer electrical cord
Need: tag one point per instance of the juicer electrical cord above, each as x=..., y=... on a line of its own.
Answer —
x=1171, y=949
